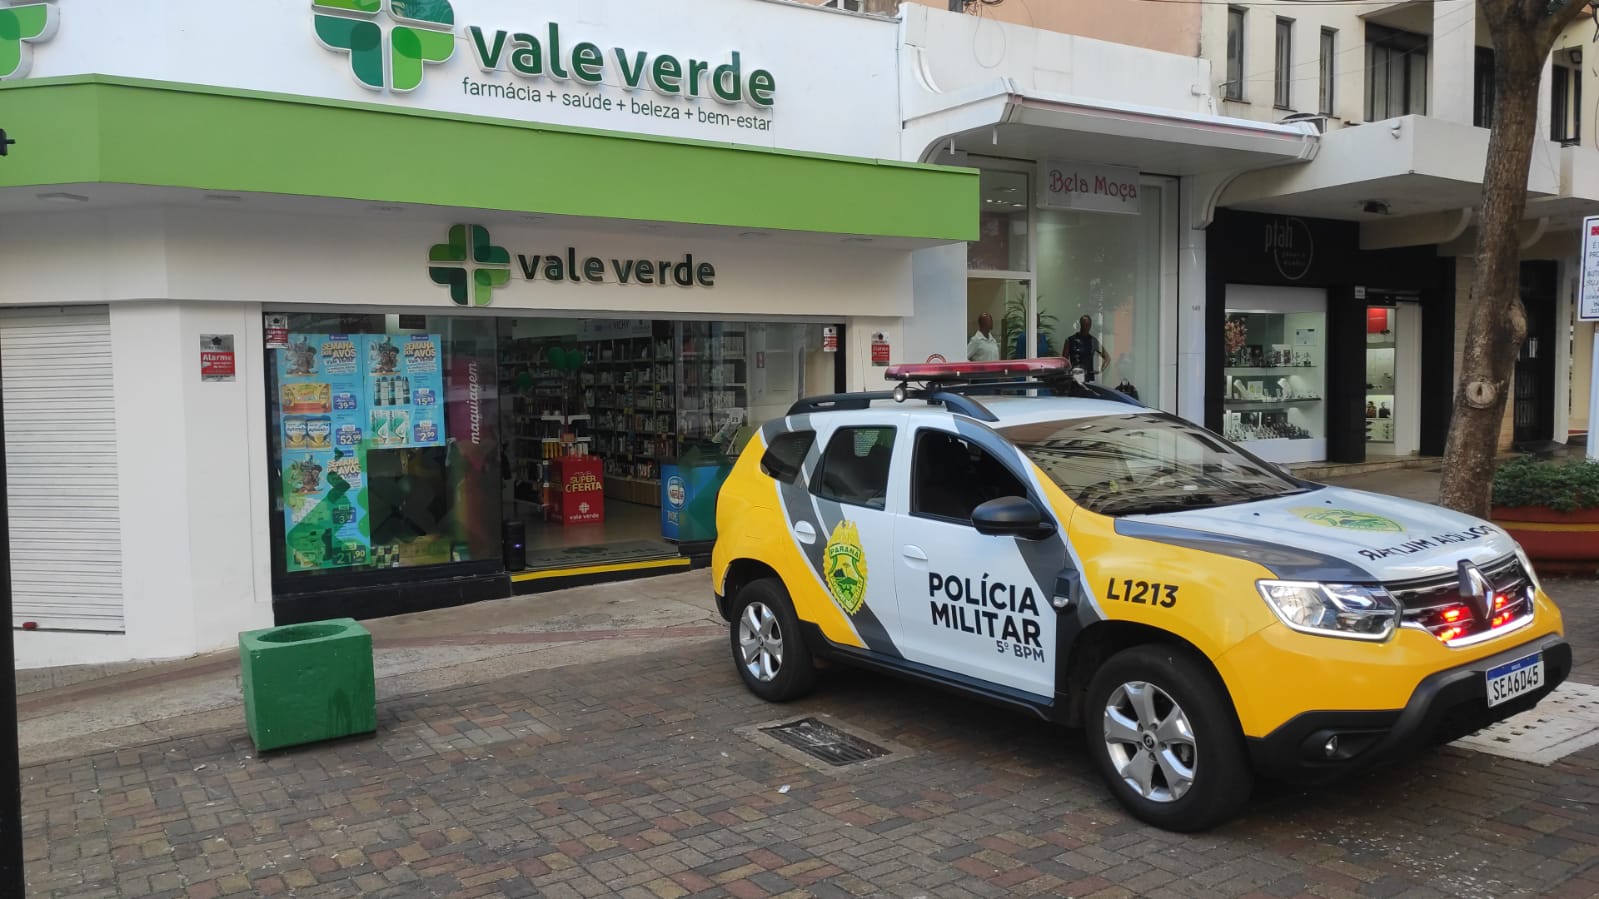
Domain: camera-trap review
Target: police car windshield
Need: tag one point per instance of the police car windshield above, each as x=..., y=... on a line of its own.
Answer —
x=1145, y=463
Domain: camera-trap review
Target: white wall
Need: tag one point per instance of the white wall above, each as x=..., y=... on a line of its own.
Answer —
x=816, y=58
x=376, y=261
x=939, y=325
x=946, y=52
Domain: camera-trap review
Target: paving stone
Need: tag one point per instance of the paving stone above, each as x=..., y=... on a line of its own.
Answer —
x=576, y=782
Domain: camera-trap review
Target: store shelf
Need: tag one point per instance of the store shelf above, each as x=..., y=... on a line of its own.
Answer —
x=1269, y=404
x=1269, y=369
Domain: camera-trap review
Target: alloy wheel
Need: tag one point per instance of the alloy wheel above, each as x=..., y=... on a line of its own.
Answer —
x=760, y=642
x=1150, y=741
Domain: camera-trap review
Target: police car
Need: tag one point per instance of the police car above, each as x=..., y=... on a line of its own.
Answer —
x=1004, y=530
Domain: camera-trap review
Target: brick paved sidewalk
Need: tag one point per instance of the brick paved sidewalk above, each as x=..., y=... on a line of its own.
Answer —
x=628, y=777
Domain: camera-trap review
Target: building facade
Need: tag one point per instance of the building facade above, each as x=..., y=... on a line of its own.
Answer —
x=1404, y=95
x=397, y=305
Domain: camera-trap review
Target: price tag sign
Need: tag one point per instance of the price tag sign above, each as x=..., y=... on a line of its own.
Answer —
x=1588, y=295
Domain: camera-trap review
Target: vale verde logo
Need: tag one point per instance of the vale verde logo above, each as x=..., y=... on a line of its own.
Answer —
x=419, y=32
x=470, y=265
x=22, y=25
x=391, y=42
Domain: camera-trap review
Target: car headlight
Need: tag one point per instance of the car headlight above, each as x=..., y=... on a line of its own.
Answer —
x=1333, y=610
x=1526, y=565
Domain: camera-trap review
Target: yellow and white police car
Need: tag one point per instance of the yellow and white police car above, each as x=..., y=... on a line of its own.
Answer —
x=1003, y=530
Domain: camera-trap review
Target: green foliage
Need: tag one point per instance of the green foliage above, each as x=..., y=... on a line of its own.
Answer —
x=1558, y=486
x=1015, y=322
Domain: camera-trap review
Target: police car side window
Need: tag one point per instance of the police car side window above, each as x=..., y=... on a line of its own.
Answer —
x=786, y=455
x=855, y=467
x=951, y=476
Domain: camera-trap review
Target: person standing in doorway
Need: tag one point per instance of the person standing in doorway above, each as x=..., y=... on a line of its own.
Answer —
x=984, y=346
x=1083, y=350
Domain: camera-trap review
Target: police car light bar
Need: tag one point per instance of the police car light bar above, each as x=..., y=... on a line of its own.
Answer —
x=940, y=372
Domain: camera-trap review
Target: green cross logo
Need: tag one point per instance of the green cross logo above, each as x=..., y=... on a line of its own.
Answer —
x=20, y=26
x=469, y=261
x=422, y=32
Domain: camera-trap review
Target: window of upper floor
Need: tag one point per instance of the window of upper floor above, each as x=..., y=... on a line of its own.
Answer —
x=1396, y=73
x=1482, y=89
x=1565, y=97
x=1233, y=87
x=1283, y=77
x=1325, y=71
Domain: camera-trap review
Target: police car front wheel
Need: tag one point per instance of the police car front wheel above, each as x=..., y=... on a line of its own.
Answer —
x=768, y=650
x=1165, y=740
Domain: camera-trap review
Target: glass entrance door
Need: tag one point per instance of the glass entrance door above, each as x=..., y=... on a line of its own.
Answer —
x=997, y=311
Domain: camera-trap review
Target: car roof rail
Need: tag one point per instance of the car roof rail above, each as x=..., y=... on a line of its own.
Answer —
x=838, y=402
x=1051, y=374
x=842, y=402
x=958, y=397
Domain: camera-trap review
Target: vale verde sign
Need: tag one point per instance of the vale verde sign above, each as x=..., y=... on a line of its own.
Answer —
x=392, y=43
x=472, y=266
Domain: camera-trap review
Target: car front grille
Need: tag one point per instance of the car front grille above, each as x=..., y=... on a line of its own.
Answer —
x=1437, y=605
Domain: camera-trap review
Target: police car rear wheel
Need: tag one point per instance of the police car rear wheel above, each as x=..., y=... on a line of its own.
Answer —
x=1164, y=739
x=768, y=650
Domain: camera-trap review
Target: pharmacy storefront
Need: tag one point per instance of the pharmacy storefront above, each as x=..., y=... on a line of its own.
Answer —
x=399, y=304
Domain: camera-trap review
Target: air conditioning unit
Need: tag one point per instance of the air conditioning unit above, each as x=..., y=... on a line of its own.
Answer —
x=1318, y=119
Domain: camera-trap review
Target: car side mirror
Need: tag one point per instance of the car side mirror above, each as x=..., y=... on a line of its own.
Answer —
x=1012, y=516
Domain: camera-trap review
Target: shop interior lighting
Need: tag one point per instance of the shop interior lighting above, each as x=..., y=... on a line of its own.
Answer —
x=754, y=235
x=63, y=197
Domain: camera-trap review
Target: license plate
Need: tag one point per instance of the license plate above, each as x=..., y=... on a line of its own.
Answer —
x=1512, y=679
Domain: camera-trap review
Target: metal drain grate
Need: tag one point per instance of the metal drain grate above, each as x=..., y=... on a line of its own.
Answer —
x=825, y=742
x=1565, y=721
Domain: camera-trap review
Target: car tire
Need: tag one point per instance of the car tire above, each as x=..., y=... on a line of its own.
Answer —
x=768, y=649
x=1163, y=735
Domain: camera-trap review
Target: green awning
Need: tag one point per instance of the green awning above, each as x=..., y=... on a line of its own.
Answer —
x=123, y=131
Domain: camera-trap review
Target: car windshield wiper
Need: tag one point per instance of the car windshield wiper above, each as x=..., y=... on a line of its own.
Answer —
x=1157, y=503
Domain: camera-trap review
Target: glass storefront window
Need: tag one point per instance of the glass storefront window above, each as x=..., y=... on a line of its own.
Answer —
x=1001, y=244
x=1274, y=383
x=1099, y=293
x=384, y=441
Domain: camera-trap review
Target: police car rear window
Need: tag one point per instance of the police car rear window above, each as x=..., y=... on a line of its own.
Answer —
x=786, y=455
x=855, y=467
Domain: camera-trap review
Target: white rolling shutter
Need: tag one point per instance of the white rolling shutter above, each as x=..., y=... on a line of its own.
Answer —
x=61, y=467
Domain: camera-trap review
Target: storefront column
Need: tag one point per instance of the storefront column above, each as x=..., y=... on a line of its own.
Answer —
x=859, y=335
x=1190, y=400
x=192, y=474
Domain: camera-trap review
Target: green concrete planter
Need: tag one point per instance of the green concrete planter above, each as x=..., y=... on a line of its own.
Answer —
x=308, y=682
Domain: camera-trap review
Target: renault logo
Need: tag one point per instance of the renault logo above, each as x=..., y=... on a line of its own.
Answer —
x=1475, y=589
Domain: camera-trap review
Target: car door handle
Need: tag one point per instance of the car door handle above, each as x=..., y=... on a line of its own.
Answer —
x=914, y=553
x=805, y=532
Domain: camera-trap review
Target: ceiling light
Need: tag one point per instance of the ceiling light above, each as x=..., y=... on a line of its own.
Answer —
x=223, y=198
x=857, y=240
x=63, y=197
x=754, y=235
x=388, y=210
x=532, y=218
x=1374, y=207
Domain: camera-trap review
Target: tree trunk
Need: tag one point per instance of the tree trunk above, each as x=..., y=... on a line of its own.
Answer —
x=1523, y=33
